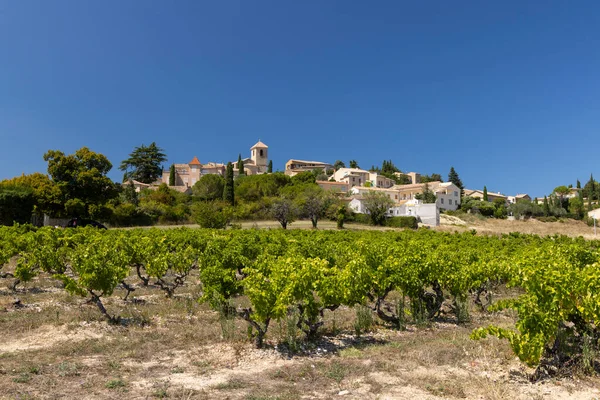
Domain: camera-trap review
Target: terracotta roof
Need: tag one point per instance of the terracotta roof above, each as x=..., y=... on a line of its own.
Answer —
x=259, y=144
x=195, y=161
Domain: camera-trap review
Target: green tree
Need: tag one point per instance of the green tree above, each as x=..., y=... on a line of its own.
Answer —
x=209, y=187
x=228, y=190
x=270, y=167
x=485, y=194
x=377, y=205
x=172, y=175
x=313, y=202
x=354, y=164
x=576, y=207
x=16, y=205
x=81, y=179
x=240, y=166
x=431, y=178
x=48, y=198
x=427, y=197
x=129, y=194
x=578, y=184
x=453, y=177
x=144, y=163
x=341, y=215
x=213, y=214
x=338, y=164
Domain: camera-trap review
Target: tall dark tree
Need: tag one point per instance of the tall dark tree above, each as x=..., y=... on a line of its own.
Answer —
x=485, y=194
x=144, y=163
x=338, y=164
x=270, y=167
x=353, y=164
x=240, y=166
x=228, y=191
x=172, y=175
x=546, y=206
x=578, y=184
x=453, y=177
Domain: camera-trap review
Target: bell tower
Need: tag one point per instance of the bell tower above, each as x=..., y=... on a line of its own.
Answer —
x=259, y=154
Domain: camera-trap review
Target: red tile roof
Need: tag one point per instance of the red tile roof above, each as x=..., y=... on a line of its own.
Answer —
x=195, y=161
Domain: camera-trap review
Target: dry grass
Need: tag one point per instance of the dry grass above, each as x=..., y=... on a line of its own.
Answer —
x=57, y=347
x=493, y=226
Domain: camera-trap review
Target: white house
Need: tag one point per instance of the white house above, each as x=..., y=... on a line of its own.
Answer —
x=352, y=176
x=428, y=214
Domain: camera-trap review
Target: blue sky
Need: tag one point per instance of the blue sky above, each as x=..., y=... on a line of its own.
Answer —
x=506, y=92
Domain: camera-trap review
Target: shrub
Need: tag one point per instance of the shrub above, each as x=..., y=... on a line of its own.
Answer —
x=402, y=222
x=16, y=205
x=213, y=214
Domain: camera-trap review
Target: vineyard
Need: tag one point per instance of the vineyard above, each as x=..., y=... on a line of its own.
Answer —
x=287, y=290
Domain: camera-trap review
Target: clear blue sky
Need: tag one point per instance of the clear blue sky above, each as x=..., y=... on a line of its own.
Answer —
x=506, y=92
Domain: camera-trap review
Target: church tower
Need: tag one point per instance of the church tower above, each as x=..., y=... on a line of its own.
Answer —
x=259, y=154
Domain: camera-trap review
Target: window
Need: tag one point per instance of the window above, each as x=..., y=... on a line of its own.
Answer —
x=261, y=152
x=455, y=194
x=442, y=201
x=450, y=201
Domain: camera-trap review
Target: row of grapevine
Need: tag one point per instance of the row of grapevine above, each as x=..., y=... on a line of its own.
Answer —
x=263, y=276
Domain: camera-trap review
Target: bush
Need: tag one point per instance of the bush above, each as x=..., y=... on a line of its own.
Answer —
x=547, y=219
x=402, y=222
x=359, y=218
x=212, y=214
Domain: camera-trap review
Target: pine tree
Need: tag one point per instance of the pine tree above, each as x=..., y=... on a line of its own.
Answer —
x=228, y=192
x=485, y=194
x=172, y=175
x=270, y=167
x=578, y=184
x=546, y=206
x=453, y=177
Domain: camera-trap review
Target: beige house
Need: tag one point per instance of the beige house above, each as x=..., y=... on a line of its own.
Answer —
x=447, y=193
x=337, y=187
x=294, y=167
x=478, y=194
x=514, y=199
x=352, y=176
x=390, y=192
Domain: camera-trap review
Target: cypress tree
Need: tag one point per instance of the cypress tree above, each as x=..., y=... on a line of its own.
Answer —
x=546, y=206
x=578, y=184
x=240, y=165
x=172, y=175
x=228, y=193
x=270, y=167
x=485, y=194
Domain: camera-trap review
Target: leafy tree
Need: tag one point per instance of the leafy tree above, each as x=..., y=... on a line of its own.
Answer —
x=172, y=175
x=213, y=214
x=144, y=163
x=338, y=164
x=209, y=187
x=354, y=164
x=304, y=177
x=270, y=167
x=16, y=205
x=576, y=207
x=401, y=179
x=485, y=194
x=453, y=177
x=240, y=166
x=341, y=215
x=431, y=178
x=129, y=194
x=284, y=211
x=48, y=198
x=427, y=197
x=228, y=190
x=255, y=187
x=377, y=205
x=81, y=178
